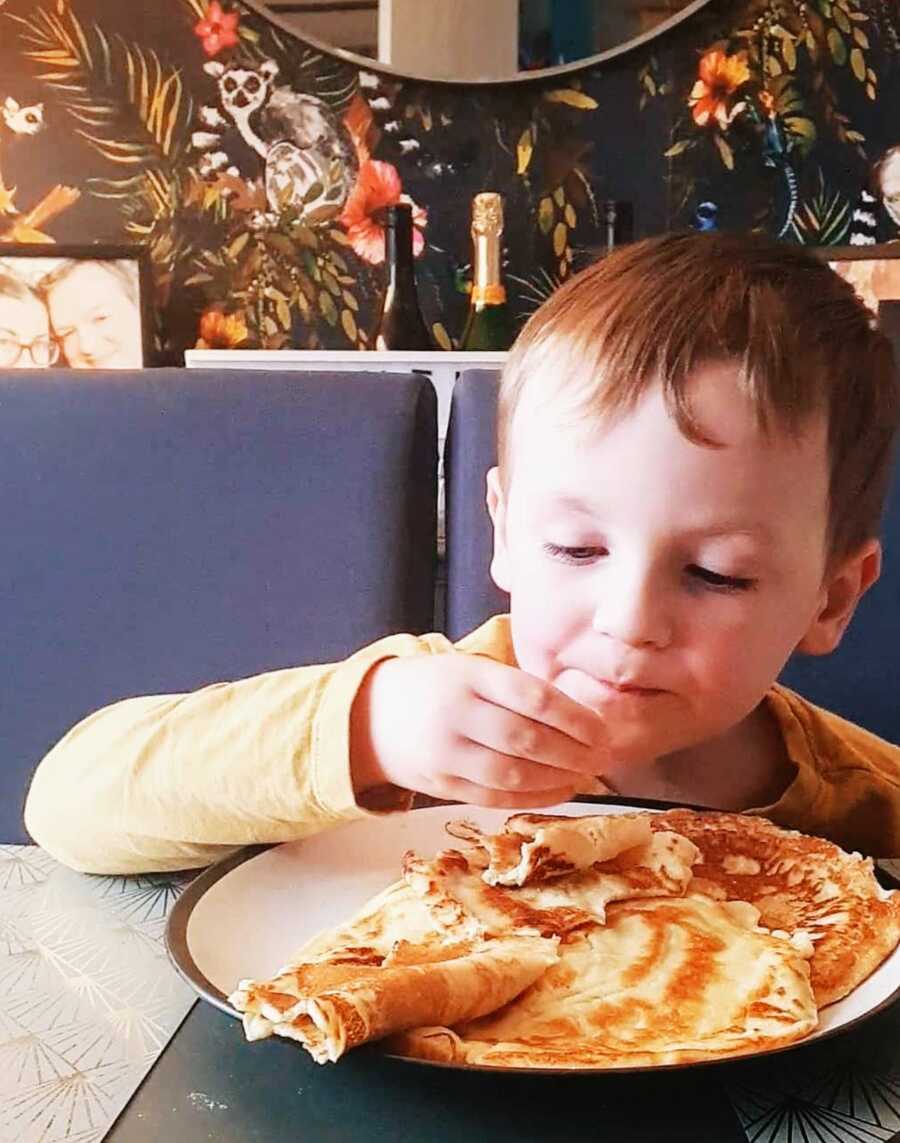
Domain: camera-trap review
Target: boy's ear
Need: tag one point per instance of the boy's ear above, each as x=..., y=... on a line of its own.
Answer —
x=496, y=506
x=842, y=590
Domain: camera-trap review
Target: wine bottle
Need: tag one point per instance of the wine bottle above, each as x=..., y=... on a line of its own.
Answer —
x=489, y=323
x=400, y=324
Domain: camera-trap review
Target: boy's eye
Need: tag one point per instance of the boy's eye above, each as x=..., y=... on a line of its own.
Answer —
x=722, y=582
x=573, y=555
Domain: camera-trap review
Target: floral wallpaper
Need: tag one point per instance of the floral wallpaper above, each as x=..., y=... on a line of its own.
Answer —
x=254, y=167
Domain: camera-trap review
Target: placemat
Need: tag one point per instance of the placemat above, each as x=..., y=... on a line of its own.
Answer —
x=88, y=997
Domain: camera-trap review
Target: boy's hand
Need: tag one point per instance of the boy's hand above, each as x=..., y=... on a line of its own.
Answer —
x=469, y=729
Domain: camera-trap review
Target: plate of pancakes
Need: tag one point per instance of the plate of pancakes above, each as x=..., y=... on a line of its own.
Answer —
x=594, y=936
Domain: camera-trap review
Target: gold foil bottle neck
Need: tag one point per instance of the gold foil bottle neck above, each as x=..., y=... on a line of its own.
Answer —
x=487, y=214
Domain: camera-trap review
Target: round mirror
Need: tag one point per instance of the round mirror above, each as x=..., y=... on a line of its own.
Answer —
x=476, y=41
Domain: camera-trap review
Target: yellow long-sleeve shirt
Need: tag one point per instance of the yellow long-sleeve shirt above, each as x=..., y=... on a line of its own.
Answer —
x=177, y=781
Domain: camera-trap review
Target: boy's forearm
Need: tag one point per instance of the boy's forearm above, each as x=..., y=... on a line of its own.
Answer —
x=170, y=782
x=176, y=781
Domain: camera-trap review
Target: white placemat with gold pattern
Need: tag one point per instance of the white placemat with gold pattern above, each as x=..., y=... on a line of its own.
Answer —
x=88, y=997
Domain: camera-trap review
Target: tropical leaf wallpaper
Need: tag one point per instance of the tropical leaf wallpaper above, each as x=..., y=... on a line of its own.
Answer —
x=254, y=166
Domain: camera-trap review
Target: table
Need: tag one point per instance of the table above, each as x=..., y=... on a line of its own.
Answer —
x=207, y=1083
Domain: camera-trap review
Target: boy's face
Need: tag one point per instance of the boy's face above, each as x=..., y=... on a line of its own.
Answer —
x=661, y=582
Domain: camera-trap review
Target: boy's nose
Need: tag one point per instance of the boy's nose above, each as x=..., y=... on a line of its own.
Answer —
x=634, y=612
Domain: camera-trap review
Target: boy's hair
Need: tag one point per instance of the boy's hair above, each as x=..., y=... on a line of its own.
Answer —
x=658, y=309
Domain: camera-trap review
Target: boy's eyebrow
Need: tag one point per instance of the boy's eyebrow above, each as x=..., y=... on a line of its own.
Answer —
x=567, y=500
x=755, y=529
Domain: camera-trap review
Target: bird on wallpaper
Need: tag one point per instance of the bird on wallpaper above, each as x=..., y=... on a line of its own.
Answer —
x=706, y=217
x=310, y=160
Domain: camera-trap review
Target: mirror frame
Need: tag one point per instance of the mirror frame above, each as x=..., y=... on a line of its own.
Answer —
x=536, y=76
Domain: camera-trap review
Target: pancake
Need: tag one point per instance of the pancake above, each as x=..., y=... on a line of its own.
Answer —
x=798, y=883
x=352, y=994
x=663, y=981
x=539, y=847
x=463, y=904
x=599, y=942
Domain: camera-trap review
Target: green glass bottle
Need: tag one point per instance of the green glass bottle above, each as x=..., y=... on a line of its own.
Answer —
x=489, y=324
x=400, y=323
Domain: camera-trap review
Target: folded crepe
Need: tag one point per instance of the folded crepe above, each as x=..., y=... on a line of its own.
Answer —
x=348, y=997
x=799, y=884
x=664, y=981
x=463, y=904
x=539, y=847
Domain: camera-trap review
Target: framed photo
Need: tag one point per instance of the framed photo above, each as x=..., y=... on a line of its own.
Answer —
x=873, y=271
x=74, y=307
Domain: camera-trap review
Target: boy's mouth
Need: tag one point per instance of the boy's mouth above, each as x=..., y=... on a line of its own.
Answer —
x=591, y=690
x=628, y=688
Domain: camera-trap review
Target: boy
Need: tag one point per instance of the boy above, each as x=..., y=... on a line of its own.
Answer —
x=694, y=443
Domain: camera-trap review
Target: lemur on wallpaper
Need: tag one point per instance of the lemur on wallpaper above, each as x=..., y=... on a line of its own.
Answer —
x=16, y=121
x=310, y=161
x=22, y=120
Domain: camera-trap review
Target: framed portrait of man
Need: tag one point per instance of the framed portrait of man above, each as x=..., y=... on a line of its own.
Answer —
x=74, y=307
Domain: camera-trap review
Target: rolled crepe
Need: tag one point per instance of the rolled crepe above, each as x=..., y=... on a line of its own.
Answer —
x=333, y=1005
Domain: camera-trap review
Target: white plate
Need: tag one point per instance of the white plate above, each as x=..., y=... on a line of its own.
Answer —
x=248, y=914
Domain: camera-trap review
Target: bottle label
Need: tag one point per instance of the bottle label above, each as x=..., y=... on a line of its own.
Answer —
x=488, y=294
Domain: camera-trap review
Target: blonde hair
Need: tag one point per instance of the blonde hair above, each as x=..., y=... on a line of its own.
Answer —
x=652, y=312
x=122, y=270
x=13, y=287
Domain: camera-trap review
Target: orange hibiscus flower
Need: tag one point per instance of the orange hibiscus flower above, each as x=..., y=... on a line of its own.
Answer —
x=218, y=29
x=720, y=76
x=221, y=331
x=377, y=186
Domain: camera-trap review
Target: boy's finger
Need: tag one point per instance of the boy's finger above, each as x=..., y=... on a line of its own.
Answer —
x=519, y=744
x=485, y=766
x=461, y=790
x=536, y=699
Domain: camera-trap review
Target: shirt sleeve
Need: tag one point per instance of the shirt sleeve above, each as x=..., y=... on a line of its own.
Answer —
x=171, y=782
x=847, y=781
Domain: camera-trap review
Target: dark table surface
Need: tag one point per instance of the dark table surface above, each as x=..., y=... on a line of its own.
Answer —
x=210, y=1084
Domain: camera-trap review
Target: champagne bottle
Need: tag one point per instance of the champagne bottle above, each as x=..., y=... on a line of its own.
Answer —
x=489, y=323
x=400, y=325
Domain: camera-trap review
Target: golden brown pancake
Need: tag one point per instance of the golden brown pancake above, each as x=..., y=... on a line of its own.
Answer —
x=634, y=940
x=349, y=997
x=539, y=847
x=455, y=891
x=663, y=981
x=797, y=882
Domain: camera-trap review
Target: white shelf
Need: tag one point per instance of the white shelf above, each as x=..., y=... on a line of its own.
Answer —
x=443, y=366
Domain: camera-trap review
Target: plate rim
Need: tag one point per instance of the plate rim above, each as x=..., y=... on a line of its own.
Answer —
x=179, y=953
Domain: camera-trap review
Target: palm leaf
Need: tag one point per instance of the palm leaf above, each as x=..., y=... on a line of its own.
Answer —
x=196, y=7
x=824, y=219
x=107, y=86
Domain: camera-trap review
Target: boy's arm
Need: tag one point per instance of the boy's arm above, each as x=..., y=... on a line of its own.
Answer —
x=847, y=781
x=176, y=781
